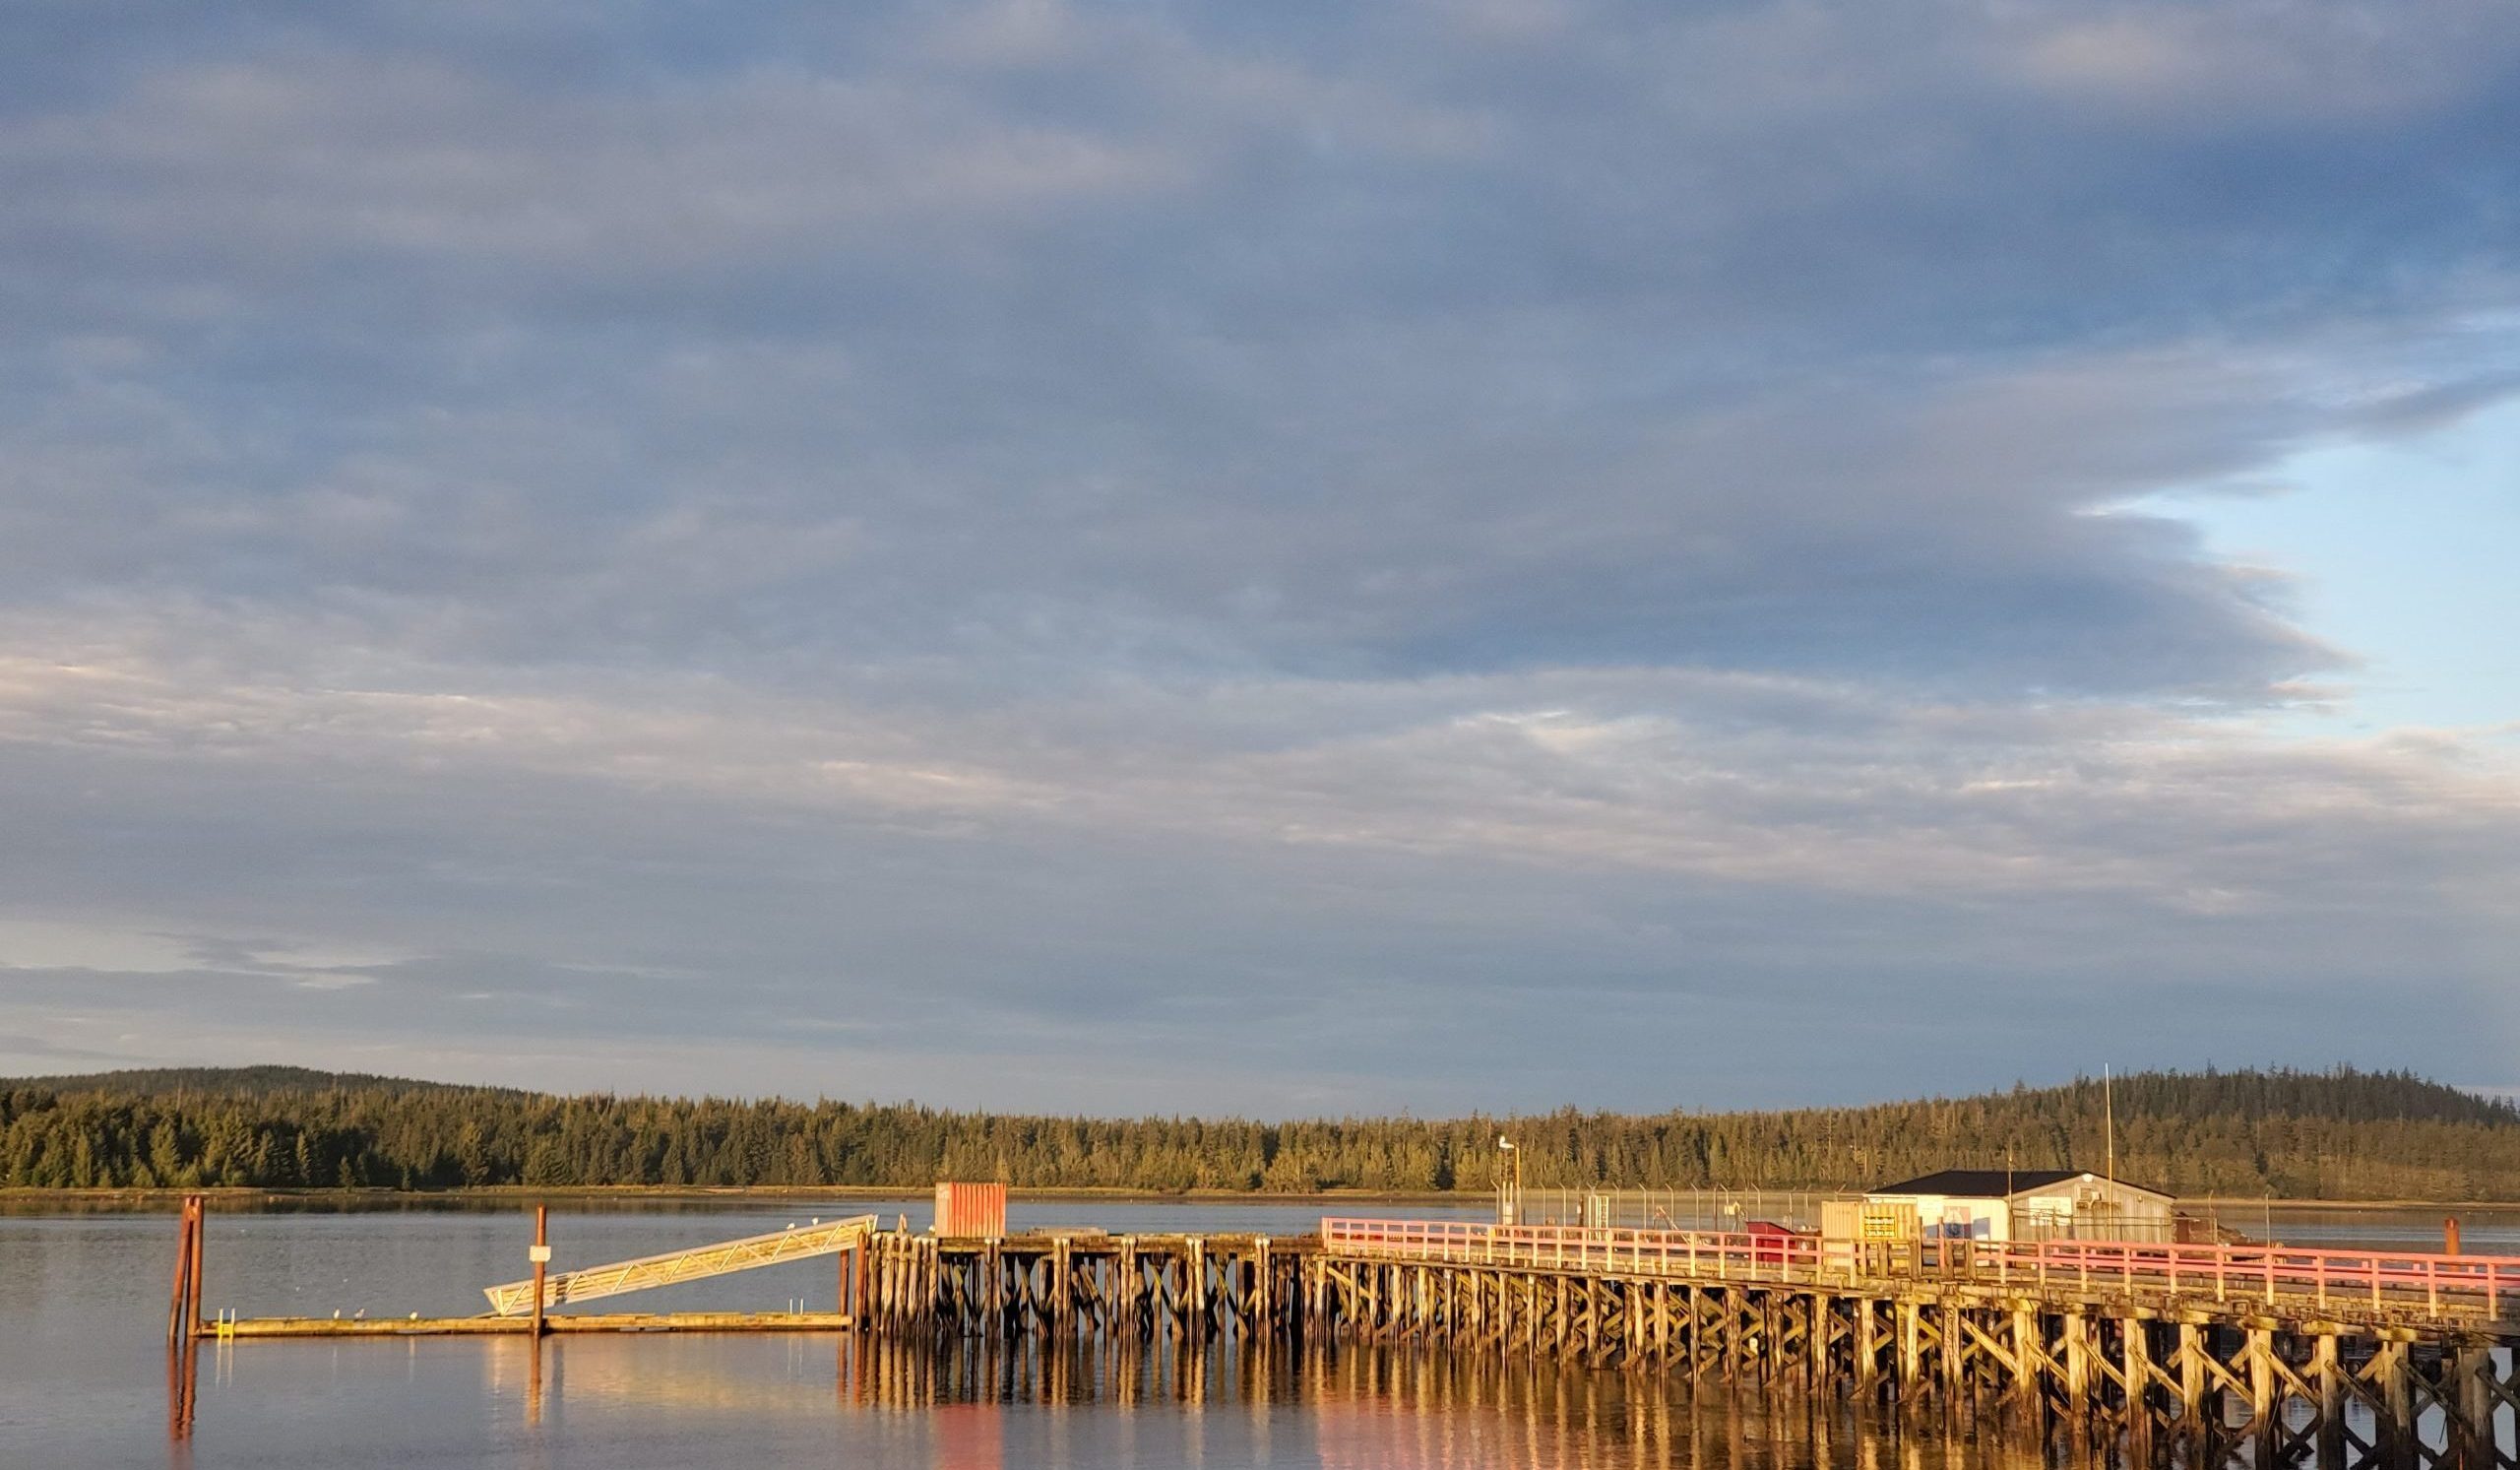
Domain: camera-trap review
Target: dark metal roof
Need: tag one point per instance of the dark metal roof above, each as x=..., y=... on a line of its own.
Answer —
x=1992, y=1183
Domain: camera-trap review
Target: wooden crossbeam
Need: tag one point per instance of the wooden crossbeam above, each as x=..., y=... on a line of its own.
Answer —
x=751, y=1252
x=1985, y=1343
x=2218, y=1375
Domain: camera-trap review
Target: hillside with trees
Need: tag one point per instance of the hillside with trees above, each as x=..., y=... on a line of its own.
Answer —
x=2343, y=1134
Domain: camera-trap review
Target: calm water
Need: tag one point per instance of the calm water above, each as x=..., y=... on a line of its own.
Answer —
x=83, y=1369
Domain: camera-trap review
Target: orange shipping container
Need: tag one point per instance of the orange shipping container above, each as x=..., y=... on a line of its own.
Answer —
x=967, y=1211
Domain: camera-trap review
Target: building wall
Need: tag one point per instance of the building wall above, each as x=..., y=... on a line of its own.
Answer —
x=2091, y=1209
x=1955, y=1217
x=2074, y=1209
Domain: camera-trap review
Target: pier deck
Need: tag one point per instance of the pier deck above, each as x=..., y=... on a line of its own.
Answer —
x=2341, y=1359
x=2338, y=1358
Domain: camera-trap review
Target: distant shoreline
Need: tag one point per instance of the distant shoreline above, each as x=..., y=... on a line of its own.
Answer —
x=702, y=1193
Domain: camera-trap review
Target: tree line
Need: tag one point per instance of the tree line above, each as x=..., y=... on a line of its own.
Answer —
x=2341, y=1135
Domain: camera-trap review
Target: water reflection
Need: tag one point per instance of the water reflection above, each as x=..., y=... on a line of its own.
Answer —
x=1400, y=1408
x=989, y=1404
x=183, y=1380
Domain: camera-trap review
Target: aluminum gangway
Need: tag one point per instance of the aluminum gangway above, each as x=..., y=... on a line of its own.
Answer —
x=796, y=1243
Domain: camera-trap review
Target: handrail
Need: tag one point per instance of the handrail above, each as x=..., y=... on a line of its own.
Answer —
x=2408, y=1282
x=1662, y=1253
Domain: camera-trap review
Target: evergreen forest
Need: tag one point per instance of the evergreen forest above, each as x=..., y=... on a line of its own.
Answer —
x=2342, y=1134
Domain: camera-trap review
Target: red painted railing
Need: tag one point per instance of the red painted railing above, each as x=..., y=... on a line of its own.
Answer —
x=2397, y=1283
x=1726, y=1256
x=2440, y=1285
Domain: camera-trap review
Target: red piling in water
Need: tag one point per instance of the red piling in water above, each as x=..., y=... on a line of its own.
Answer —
x=184, y=1321
x=201, y=1227
x=180, y=1296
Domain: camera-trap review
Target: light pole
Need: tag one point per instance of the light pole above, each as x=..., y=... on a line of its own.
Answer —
x=1513, y=1211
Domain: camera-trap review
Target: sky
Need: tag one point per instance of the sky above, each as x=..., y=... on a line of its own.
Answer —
x=1280, y=559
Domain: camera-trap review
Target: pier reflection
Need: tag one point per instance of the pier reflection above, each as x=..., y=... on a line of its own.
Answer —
x=1345, y=1407
x=1100, y=1399
x=987, y=1404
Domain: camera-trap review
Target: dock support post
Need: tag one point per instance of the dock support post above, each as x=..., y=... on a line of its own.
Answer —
x=2329, y=1380
x=1955, y=1333
x=2395, y=1366
x=1911, y=1364
x=1132, y=1288
x=2026, y=1353
x=2191, y=1381
x=2471, y=1366
x=1263, y=1323
x=2264, y=1424
x=1062, y=1286
x=1195, y=1282
x=1868, y=1349
x=201, y=1227
x=541, y=1264
x=179, y=1298
x=2135, y=1360
x=2077, y=1366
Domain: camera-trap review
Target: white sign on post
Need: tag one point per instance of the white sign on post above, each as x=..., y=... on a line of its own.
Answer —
x=538, y=1255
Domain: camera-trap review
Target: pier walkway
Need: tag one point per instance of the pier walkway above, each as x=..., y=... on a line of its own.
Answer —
x=2381, y=1288
x=2341, y=1358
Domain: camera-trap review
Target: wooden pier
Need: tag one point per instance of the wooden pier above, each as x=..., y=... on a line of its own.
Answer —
x=1194, y=1286
x=2202, y=1353
x=2337, y=1357
x=2276, y=1356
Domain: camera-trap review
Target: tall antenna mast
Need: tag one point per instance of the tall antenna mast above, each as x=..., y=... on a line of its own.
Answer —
x=2109, y=1113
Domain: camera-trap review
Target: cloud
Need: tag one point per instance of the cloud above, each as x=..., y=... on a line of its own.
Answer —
x=968, y=532
x=1415, y=866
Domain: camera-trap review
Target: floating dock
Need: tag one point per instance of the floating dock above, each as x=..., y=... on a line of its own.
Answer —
x=519, y=1326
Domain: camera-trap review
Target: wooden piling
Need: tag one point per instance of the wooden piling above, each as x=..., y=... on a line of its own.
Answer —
x=2396, y=1418
x=542, y=1262
x=2328, y=1377
x=201, y=1227
x=179, y=1298
x=2265, y=1428
x=2191, y=1379
x=2471, y=1366
x=2077, y=1365
x=2135, y=1364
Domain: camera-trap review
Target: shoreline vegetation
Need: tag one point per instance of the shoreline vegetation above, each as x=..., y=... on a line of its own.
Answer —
x=732, y=1194
x=2340, y=1138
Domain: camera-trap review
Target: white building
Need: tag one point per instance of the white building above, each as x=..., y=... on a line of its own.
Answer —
x=2030, y=1204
